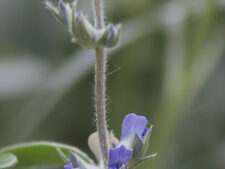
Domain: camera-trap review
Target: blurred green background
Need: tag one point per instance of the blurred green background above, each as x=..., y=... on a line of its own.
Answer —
x=169, y=66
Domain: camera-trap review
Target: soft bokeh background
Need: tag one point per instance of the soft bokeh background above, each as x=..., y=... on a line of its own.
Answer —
x=170, y=67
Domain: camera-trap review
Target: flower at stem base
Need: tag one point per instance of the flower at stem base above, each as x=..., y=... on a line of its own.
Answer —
x=134, y=124
x=133, y=143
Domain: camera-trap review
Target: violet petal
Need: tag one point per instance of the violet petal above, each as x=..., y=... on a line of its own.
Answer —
x=118, y=157
x=133, y=124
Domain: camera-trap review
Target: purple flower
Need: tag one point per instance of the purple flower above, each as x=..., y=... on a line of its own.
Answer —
x=134, y=125
x=132, y=140
x=119, y=157
x=134, y=130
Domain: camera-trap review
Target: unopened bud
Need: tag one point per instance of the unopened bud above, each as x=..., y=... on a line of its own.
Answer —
x=111, y=36
x=84, y=31
x=62, y=11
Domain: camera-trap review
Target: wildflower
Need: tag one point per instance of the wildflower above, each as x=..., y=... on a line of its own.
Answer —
x=133, y=143
x=133, y=135
x=134, y=124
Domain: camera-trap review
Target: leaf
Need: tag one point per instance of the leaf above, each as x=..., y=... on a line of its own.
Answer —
x=42, y=153
x=7, y=160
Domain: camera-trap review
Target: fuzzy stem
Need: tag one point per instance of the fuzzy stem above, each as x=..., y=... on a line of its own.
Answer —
x=100, y=90
x=100, y=102
x=99, y=14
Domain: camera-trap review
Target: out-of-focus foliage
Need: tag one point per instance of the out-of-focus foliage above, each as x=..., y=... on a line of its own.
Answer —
x=168, y=67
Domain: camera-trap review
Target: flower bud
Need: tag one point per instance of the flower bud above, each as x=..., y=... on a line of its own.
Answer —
x=62, y=12
x=83, y=31
x=53, y=10
x=110, y=37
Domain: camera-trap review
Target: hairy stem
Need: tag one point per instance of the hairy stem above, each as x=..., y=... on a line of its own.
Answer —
x=100, y=102
x=100, y=89
x=99, y=14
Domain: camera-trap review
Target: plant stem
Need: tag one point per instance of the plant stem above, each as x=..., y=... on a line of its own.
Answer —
x=99, y=14
x=100, y=78
x=100, y=102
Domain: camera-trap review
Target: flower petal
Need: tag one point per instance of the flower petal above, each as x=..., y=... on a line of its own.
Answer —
x=118, y=157
x=133, y=124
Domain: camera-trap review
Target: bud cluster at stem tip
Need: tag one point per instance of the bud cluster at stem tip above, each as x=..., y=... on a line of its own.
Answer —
x=81, y=30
